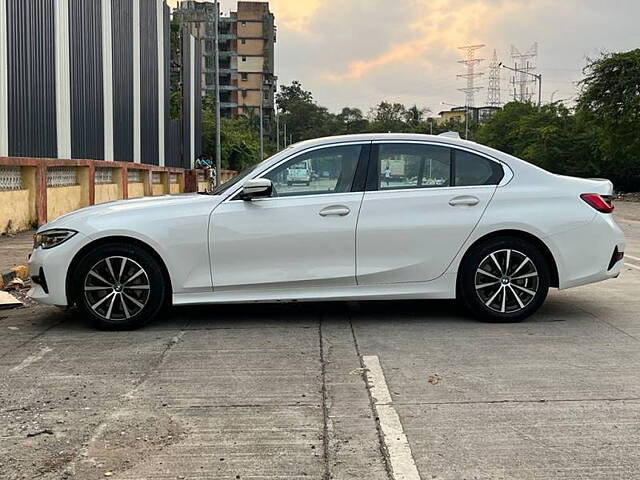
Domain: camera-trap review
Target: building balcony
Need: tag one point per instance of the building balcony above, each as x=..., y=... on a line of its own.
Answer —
x=228, y=105
x=222, y=37
x=223, y=71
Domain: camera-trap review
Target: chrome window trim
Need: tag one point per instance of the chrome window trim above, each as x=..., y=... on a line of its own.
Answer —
x=269, y=168
x=507, y=177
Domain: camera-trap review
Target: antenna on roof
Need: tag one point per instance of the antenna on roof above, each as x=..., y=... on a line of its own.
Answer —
x=455, y=135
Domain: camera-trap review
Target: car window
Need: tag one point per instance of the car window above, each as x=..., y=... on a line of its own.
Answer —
x=413, y=166
x=473, y=169
x=327, y=170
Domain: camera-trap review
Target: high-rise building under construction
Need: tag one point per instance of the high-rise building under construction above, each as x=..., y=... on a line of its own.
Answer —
x=246, y=39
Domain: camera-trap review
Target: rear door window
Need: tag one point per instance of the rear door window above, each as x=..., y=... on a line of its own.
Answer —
x=406, y=166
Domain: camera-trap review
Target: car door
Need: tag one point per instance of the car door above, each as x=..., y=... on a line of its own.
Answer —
x=422, y=203
x=301, y=236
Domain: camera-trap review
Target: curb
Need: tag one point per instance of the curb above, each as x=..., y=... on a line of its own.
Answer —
x=19, y=271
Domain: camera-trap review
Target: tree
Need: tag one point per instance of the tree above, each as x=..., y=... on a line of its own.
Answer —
x=351, y=120
x=551, y=137
x=610, y=103
x=292, y=95
x=302, y=116
x=414, y=116
x=388, y=117
x=239, y=137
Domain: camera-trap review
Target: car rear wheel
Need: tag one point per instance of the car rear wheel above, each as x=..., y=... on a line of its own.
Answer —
x=119, y=287
x=505, y=279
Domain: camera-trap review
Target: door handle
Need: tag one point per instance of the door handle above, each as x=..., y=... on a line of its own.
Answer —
x=466, y=200
x=335, y=210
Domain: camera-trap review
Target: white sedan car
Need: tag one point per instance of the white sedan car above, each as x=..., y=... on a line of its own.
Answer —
x=464, y=221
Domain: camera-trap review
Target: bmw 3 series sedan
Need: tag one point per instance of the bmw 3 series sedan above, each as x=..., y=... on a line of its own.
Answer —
x=382, y=217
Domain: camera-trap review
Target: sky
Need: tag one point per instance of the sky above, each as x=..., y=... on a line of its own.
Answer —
x=357, y=53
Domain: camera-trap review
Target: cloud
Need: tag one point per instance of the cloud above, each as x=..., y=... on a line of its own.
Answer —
x=294, y=14
x=439, y=25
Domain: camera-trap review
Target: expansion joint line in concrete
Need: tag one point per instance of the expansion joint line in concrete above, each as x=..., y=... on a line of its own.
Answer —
x=325, y=408
x=383, y=451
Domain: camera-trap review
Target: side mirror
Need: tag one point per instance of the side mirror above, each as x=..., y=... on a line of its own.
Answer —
x=256, y=188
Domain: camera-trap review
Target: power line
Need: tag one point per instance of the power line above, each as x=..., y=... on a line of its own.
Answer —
x=524, y=66
x=470, y=61
x=493, y=90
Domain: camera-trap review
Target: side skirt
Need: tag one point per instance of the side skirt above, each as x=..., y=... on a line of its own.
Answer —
x=441, y=288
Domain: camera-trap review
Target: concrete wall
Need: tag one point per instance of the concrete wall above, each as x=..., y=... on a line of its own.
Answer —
x=107, y=192
x=250, y=64
x=36, y=203
x=252, y=98
x=61, y=200
x=16, y=211
x=254, y=80
x=136, y=190
x=250, y=46
x=250, y=29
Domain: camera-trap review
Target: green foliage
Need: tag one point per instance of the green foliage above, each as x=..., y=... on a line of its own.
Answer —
x=599, y=139
x=610, y=102
x=239, y=138
x=551, y=137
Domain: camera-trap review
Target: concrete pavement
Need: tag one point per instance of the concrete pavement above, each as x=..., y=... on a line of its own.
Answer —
x=278, y=391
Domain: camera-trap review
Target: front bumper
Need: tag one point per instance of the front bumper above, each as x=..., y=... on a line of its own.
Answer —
x=53, y=264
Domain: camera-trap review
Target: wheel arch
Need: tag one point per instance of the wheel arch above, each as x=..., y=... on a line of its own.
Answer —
x=107, y=241
x=537, y=242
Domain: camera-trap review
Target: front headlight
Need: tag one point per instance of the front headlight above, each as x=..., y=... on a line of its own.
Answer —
x=52, y=238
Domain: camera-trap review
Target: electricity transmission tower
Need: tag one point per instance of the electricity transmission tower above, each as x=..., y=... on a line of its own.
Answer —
x=524, y=66
x=471, y=62
x=493, y=90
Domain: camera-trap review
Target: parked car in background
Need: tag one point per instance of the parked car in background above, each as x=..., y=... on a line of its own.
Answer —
x=467, y=222
x=299, y=174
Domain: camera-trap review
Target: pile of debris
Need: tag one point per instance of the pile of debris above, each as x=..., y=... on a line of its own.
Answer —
x=14, y=293
x=628, y=197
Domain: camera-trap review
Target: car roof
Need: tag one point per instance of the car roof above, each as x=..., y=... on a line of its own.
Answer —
x=516, y=164
x=368, y=137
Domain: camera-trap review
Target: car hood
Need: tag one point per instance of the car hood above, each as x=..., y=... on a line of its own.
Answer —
x=169, y=204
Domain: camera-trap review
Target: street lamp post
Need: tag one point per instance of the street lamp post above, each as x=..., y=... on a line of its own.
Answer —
x=261, y=124
x=537, y=76
x=216, y=50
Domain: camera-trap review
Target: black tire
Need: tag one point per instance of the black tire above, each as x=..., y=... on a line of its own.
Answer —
x=122, y=310
x=480, y=279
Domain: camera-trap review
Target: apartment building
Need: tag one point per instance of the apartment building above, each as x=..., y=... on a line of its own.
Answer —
x=246, y=39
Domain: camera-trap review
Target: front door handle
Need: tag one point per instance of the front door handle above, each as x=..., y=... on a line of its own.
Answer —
x=335, y=210
x=464, y=200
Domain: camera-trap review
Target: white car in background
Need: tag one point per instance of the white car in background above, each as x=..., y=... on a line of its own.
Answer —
x=466, y=222
x=298, y=174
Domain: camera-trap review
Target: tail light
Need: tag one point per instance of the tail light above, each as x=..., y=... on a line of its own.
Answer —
x=601, y=203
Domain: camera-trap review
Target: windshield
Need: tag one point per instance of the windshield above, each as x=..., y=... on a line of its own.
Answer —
x=233, y=181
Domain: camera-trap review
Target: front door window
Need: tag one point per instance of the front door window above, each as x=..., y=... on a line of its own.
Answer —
x=327, y=170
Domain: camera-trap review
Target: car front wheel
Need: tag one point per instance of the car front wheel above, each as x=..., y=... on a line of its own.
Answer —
x=119, y=287
x=505, y=279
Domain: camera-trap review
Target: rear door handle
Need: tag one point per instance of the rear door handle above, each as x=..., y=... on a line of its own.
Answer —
x=335, y=210
x=464, y=200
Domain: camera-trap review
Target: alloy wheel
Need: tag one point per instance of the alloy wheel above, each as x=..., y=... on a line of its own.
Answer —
x=506, y=281
x=117, y=288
